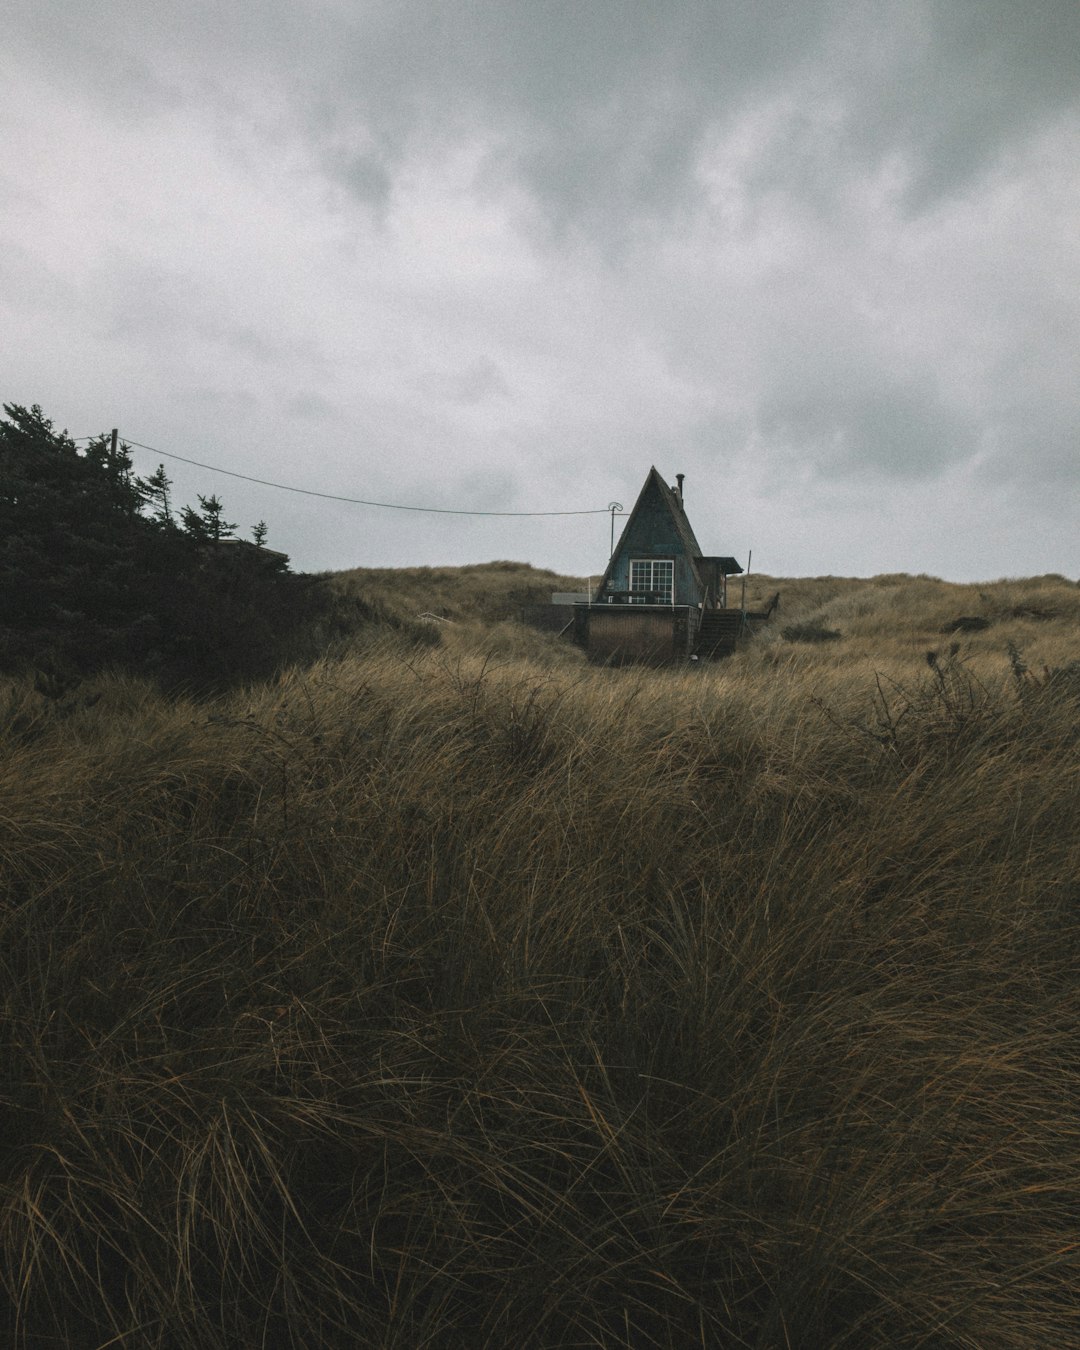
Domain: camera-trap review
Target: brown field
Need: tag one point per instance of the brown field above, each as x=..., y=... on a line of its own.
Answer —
x=469, y=994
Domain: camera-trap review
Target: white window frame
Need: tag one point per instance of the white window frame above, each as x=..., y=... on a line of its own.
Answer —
x=652, y=574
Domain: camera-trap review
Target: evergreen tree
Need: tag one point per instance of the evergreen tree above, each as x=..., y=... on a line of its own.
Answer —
x=89, y=578
x=156, y=492
x=113, y=472
x=216, y=527
x=70, y=534
x=193, y=525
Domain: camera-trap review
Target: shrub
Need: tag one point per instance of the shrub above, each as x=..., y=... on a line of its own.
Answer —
x=966, y=623
x=809, y=632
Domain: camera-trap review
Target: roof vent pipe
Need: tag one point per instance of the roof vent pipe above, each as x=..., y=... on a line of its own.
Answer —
x=679, y=479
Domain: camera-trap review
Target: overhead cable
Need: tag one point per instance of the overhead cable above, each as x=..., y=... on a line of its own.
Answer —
x=355, y=501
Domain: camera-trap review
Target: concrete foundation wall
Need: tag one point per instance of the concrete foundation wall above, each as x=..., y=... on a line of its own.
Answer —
x=625, y=633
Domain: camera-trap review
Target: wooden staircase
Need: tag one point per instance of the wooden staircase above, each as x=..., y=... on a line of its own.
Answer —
x=718, y=632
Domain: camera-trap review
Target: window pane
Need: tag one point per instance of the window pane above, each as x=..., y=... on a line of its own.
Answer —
x=655, y=577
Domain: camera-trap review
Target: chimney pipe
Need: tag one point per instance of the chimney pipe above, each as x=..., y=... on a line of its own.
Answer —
x=679, y=479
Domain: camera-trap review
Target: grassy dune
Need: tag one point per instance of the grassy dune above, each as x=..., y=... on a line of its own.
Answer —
x=485, y=591
x=471, y=995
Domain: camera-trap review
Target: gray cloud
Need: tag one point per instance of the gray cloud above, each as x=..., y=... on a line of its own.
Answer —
x=365, y=177
x=311, y=406
x=890, y=431
x=519, y=251
x=29, y=286
x=606, y=104
x=475, y=383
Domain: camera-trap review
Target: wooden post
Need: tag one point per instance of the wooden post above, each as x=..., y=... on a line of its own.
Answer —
x=613, y=507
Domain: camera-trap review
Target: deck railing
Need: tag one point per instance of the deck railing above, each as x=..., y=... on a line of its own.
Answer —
x=635, y=597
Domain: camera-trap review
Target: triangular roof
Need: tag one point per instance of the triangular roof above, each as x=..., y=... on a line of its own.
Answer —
x=670, y=497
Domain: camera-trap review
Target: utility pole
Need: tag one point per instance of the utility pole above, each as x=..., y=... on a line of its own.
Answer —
x=112, y=447
x=613, y=507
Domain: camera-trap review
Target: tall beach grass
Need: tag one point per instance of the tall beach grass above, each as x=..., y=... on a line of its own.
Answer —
x=471, y=995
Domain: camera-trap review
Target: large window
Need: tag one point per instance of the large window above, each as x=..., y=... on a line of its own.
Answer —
x=654, y=578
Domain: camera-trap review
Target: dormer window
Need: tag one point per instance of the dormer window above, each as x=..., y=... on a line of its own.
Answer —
x=652, y=581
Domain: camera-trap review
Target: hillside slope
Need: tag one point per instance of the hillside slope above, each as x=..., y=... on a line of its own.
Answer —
x=485, y=591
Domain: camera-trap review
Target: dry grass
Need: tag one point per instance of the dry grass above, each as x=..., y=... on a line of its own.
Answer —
x=485, y=591
x=473, y=995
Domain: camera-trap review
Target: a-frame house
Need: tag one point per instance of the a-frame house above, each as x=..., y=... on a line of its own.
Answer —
x=661, y=598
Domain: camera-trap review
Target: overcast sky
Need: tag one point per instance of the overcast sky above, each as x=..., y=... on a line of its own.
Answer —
x=821, y=257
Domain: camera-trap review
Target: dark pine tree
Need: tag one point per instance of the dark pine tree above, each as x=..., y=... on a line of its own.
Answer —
x=95, y=570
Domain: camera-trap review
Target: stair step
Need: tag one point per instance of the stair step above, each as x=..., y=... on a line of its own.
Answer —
x=719, y=631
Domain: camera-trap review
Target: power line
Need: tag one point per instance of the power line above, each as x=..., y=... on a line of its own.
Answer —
x=353, y=501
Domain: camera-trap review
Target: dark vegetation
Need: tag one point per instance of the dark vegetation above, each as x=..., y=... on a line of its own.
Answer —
x=967, y=623
x=467, y=995
x=810, y=632
x=98, y=568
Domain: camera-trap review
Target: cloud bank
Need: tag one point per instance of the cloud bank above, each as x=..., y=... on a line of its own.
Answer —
x=823, y=259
